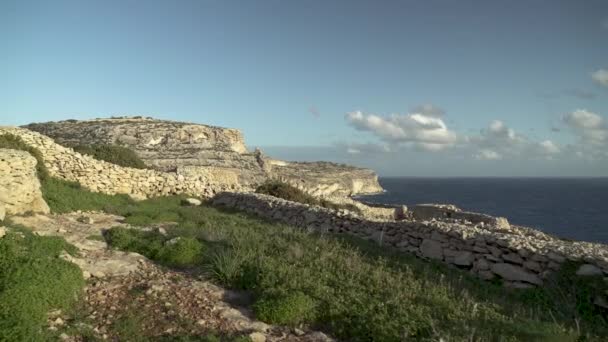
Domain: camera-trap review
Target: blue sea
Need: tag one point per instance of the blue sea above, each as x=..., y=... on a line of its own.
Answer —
x=573, y=208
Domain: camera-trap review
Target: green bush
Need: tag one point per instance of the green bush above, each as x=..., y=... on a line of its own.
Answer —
x=146, y=243
x=33, y=281
x=14, y=142
x=114, y=154
x=291, y=193
x=291, y=309
x=183, y=252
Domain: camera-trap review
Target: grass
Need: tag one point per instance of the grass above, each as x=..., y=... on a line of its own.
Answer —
x=114, y=154
x=33, y=281
x=291, y=193
x=351, y=288
x=359, y=292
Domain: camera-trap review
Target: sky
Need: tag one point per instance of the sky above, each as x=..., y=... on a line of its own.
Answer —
x=408, y=88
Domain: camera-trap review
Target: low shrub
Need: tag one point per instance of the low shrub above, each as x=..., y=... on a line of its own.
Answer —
x=178, y=252
x=291, y=193
x=114, y=154
x=290, y=309
x=182, y=252
x=33, y=281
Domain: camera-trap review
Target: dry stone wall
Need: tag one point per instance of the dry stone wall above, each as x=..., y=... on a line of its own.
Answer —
x=19, y=184
x=100, y=176
x=522, y=257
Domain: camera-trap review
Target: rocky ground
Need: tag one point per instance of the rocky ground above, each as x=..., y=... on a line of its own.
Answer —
x=127, y=289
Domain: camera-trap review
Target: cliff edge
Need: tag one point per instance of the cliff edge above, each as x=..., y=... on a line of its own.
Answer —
x=219, y=153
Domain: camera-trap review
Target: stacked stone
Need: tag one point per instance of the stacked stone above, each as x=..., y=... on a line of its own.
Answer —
x=19, y=184
x=522, y=257
x=100, y=176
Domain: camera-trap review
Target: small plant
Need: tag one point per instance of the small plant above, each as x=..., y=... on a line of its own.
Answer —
x=33, y=281
x=291, y=193
x=114, y=154
x=183, y=252
x=291, y=309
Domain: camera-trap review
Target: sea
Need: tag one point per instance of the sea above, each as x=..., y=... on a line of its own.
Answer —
x=571, y=208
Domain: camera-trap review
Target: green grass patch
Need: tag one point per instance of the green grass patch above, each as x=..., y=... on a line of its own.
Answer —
x=291, y=193
x=360, y=292
x=114, y=154
x=64, y=196
x=33, y=281
x=178, y=252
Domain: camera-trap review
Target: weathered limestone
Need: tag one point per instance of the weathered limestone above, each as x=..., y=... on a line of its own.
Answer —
x=521, y=256
x=218, y=153
x=19, y=184
x=100, y=176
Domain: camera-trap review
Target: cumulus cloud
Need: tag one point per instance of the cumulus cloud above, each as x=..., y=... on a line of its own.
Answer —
x=428, y=110
x=498, y=141
x=590, y=127
x=423, y=129
x=600, y=77
x=549, y=147
x=485, y=154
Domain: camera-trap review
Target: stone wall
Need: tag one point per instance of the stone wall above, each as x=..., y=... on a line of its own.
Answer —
x=523, y=257
x=19, y=184
x=169, y=145
x=100, y=176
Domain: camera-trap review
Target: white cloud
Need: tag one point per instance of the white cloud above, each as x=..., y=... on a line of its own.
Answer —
x=424, y=130
x=600, y=77
x=591, y=128
x=549, y=147
x=498, y=141
x=485, y=154
x=428, y=110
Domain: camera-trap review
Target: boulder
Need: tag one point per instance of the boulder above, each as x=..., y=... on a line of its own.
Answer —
x=515, y=273
x=2, y=212
x=431, y=249
x=464, y=259
x=589, y=270
x=2, y=232
x=192, y=201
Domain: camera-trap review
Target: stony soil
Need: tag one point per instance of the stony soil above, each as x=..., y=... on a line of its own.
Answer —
x=126, y=286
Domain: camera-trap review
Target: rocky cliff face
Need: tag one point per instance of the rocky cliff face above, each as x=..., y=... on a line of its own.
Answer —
x=218, y=152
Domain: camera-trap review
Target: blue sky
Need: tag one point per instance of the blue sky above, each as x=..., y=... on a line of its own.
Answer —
x=409, y=88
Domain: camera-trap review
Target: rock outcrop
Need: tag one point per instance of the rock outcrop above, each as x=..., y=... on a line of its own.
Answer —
x=19, y=185
x=219, y=153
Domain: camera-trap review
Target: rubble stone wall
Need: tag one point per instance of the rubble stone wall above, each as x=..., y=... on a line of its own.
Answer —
x=521, y=256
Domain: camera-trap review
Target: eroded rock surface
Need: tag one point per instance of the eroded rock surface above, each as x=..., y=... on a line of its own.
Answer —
x=19, y=184
x=218, y=153
x=125, y=284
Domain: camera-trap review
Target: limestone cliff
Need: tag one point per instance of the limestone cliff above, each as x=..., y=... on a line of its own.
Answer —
x=219, y=153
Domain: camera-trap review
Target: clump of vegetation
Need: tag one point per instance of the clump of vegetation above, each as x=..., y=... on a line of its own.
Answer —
x=358, y=291
x=291, y=193
x=181, y=252
x=64, y=196
x=14, y=142
x=177, y=252
x=33, y=281
x=114, y=154
x=290, y=309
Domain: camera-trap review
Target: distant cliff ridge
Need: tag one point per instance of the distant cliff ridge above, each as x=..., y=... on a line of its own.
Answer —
x=219, y=152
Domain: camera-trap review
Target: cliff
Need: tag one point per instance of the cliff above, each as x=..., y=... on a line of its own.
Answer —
x=219, y=153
